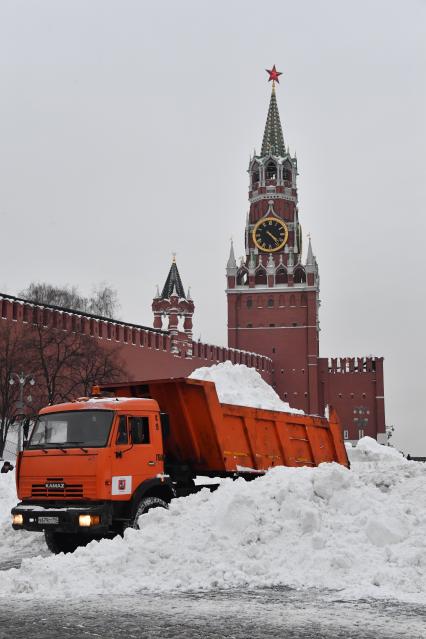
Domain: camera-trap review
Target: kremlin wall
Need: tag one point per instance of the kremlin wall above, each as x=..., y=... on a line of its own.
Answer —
x=146, y=352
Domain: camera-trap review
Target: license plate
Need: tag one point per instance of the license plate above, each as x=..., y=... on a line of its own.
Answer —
x=48, y=520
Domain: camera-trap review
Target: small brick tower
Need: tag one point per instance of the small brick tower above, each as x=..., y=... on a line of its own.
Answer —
x=178, y=307
x=272, y=295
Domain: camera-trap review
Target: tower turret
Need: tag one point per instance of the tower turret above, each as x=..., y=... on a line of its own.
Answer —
x=310, y=259
x=178, y=308
x=231, y=267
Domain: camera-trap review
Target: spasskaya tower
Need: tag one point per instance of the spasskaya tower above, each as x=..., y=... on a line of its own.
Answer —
x=272, y=294
x=273, y=299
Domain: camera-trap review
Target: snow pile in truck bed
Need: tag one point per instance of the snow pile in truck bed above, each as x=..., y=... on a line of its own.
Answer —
x=238, y=384
x=362, y=531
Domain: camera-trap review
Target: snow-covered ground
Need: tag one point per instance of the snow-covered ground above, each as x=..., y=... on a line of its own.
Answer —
x=14, y=547
x=362, y=531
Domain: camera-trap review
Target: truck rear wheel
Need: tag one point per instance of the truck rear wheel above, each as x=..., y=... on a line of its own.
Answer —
x=144, y=506
x=64, y=542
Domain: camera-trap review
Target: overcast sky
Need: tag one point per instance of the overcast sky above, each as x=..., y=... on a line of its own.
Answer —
x=125, y=134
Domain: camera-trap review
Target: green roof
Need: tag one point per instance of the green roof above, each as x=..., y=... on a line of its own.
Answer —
x=173, y=283
x=273, y=139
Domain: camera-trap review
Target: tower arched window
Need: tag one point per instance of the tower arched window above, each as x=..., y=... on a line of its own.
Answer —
x=287, y=172
x=242, y=276
x=255, y=176
x=299, y=275
x=270, y=302
x=281, y=275
x=271, y=170
x=260, y=276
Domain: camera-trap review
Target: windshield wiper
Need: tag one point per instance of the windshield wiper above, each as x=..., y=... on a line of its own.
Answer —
x=79, y=446
x=48, y=447
x=45, y=450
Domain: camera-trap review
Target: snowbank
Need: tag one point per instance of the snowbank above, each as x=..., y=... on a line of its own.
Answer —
x=243, y=386
x=367, y=449
x=14, y=546
x=362, y=531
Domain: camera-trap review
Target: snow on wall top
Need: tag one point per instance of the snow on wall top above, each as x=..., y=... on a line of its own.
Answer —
x=243, y=386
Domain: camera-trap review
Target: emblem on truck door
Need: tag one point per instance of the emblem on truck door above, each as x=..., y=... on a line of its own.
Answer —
x=121, y=485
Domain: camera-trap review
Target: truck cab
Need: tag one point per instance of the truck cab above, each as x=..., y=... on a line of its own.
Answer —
x=88, y=466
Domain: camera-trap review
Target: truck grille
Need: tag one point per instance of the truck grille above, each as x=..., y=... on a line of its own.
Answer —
x=59, y=488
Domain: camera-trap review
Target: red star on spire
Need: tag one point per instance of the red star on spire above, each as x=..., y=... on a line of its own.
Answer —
x=273, y=74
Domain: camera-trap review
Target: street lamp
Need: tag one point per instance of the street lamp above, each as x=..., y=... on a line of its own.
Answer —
x=20, y=404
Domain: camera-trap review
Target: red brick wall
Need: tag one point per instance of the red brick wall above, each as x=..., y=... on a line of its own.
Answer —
x=288, y=342
x=354, y=386
x=145, y=352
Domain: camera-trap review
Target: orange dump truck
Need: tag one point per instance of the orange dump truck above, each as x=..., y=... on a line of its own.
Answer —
x=93, y=466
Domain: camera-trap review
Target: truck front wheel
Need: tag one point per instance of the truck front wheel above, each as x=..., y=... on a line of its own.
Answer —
x=64, y=542
x=144, y=506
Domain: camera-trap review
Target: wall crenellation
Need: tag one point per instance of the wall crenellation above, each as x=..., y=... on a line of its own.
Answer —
x=353, y=364
x=115, y=331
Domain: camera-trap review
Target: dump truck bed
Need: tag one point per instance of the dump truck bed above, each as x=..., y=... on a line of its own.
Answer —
x=220, y=439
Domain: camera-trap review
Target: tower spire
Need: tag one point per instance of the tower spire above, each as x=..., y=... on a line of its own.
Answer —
x=232, y=263
x=173, y=283
x=273, y=138
x=310, y=256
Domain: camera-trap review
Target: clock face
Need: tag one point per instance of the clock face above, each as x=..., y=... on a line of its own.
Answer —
x=270, y=234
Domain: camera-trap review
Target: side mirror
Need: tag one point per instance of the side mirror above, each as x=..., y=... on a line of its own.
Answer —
x=6, y=467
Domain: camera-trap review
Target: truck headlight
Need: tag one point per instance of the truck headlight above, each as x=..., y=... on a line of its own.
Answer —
x=18, y=520
x=89, y=520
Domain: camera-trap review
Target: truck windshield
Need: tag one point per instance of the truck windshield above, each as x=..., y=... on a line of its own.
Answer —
x=72, y=428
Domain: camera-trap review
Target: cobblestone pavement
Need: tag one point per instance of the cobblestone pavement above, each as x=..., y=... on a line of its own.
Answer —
x=234, y=614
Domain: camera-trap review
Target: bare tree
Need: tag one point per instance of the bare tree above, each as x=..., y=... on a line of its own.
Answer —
x=69, y=364
x=95, y=366
x=12, y=353
x=66, y=296
x=103, y=300
x=53, y=353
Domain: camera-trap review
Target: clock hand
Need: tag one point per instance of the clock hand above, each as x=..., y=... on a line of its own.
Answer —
x=273, y=237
